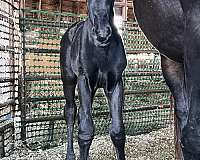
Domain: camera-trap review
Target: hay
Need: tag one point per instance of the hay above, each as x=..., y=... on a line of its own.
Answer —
x=157, y=145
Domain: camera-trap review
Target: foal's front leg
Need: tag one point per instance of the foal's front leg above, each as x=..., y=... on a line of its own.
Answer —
x=117, y=131
x=70, y=114
x=86, y=126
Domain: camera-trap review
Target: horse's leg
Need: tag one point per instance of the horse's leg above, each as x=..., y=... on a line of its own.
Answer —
x=191, y=132
x=115, y=97
x=70, y=110
x=86, y=126
x=174, y=76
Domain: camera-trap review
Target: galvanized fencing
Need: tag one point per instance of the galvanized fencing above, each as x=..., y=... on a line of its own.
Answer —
x=32, y=101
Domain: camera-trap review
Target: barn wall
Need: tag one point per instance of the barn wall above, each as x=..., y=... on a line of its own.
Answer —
x=54, y=5
x=78, y=7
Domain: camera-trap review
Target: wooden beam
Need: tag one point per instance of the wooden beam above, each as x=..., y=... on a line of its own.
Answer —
x=120, y=4
x=77, y=0
x=123, y=4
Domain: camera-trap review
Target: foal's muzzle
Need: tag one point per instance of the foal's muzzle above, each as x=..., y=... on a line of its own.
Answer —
x=103, y=36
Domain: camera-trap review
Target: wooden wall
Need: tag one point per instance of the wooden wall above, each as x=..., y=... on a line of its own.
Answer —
x=74, y=6
x=55, y=5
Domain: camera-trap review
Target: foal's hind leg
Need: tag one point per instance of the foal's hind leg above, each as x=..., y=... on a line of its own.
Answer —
x=174, y=76
x=69, y=84
x=117, y=131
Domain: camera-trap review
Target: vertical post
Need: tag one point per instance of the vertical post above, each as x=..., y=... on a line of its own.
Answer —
x=13, y=112
x=40, y=8
x=61, y=4
x=12, y=56
x=51, y=131
x=125, y=9
x=2, y=149
x=22, y=95
x=12, y=147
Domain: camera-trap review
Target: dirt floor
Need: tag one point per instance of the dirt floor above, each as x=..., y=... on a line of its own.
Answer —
x=157, y=145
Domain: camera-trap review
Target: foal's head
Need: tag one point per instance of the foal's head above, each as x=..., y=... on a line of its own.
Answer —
x=101, y=16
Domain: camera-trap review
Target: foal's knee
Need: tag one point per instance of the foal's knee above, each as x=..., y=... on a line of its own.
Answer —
x=86, y=128
x=70, y=111
x=118, y=135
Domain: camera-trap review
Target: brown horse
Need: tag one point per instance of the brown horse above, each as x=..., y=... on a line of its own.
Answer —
x=173, y=27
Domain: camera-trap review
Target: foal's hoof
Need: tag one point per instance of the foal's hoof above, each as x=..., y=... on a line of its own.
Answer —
x=70, y=157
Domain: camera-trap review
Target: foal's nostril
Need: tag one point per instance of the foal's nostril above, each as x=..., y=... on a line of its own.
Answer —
x=109, y=31
x=104, y=35
x=101, y=38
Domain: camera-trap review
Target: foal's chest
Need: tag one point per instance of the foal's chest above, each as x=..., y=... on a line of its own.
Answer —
x=106, y=59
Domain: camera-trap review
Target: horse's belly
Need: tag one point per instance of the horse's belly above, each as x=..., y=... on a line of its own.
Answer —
x=162, y=23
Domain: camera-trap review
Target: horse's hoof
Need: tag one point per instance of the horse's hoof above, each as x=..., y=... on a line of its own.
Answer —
x=70, y=157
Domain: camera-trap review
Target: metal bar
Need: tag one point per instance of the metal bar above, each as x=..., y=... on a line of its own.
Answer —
x=12, y=57
x=44, y=119
x=56, y=98
x=7, y=126
x=4, y=80
x=6, y=48
x=139, y=51
x=34, y=50
x=2, y=149
x=146, y=92
x=135, y=109
x=55, y=118
x=98, y=95
x=51, y=132
x=136, y=74
x=8, y=103
x=22, y=84
x=44, y=99
x=146, y=108
x=39, y=78
x=58, y=77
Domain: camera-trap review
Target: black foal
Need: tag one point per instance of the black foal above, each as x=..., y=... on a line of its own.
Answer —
x=92, y=56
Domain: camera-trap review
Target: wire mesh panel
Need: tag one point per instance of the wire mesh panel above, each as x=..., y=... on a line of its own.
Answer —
x=147, y=105
x=146, y=96
x=135, y=40
x=9, y=70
